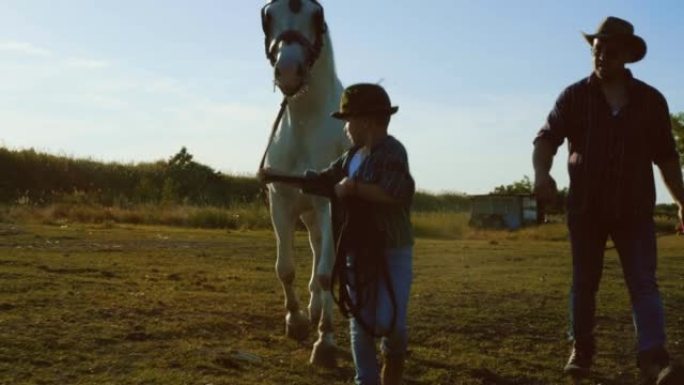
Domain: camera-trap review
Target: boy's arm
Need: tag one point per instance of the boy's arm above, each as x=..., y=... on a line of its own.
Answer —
x=316, y=183
x=269, y=175
x=367, y=191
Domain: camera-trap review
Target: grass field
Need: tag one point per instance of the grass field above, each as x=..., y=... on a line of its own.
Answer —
x=122, y=304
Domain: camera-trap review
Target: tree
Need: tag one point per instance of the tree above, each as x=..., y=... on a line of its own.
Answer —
x=523, y=186
x=189, y=181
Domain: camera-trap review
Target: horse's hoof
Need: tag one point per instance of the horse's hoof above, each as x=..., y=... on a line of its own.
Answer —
x=297, y=326
x=324, y=354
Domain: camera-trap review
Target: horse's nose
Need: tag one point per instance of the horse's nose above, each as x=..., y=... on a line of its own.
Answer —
x=289, y=71
x=289, y=75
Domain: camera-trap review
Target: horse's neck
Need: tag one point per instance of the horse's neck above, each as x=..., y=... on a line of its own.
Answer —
x=324, y=88
x=309, y=137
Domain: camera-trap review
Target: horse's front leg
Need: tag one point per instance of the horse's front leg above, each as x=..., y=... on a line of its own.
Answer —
x=321, y=306
x=296, y=322
x=312, y=223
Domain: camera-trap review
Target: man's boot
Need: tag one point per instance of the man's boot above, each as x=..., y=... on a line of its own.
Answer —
x=579, y=363
x=655, y=369
x=392, y=369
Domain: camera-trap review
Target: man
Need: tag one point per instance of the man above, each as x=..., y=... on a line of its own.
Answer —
x=616, y=127
x=373, y=182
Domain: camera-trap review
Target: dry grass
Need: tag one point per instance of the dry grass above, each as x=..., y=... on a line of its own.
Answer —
x=244, y=217
x=120, y=304
x=440, y=225
x=254, y=216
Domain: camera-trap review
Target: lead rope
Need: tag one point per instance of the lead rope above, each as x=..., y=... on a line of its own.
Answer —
x=276, y=123
x=368, y=274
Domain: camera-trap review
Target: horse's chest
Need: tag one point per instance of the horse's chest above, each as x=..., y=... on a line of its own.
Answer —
x=296, y=151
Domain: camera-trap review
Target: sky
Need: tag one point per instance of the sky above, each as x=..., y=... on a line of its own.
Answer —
x=135, y=80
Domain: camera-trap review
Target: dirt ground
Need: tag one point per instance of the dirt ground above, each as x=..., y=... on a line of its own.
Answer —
x=112, y=304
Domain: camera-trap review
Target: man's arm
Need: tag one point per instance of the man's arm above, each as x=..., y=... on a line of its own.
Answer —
x=542, y=159
x=672, y=176
x=665, y=154
x=549, y=138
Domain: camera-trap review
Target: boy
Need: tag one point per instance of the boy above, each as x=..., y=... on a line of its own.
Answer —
x=373, y=183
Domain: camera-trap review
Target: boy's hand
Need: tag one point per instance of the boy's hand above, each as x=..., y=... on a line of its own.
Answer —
x=264, y=174
x=345, y=187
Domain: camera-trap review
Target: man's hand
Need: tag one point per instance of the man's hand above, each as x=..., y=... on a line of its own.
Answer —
x=345, y=187
x=545, y=188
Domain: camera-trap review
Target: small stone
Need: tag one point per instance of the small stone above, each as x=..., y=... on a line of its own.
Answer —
x=245, y=357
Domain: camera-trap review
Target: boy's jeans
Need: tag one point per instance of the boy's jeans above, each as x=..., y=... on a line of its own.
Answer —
x=378, y=312
x=635, y=242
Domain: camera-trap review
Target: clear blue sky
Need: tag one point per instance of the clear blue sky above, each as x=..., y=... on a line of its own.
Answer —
x=134, y=81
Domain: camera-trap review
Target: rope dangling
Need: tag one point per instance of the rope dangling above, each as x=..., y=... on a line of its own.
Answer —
x=274, y=128
x=359, y=285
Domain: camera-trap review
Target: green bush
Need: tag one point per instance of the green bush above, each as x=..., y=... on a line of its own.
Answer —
x=29, y=177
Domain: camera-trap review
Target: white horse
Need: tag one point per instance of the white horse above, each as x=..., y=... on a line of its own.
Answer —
x=300, y=50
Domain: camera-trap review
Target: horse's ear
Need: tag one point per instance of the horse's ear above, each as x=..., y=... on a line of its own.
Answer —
x=265, y=20
x=319, y=19
x=266, y=26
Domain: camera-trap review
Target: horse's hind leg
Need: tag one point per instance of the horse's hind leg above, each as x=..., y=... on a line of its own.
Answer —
x=320, y=228
x=296, y=322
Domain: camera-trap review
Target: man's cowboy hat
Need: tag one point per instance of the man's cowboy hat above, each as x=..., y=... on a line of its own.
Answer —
x=614, y=28
x=364, y=99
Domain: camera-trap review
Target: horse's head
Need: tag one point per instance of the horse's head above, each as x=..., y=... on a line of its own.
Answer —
x=293, y=32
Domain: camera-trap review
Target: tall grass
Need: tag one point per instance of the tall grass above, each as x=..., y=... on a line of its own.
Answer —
x=255, y=216
x=32, y=177
x=440, y=224
x=247, y=216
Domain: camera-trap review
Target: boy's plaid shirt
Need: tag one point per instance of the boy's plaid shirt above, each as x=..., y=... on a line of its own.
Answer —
x=386, y=166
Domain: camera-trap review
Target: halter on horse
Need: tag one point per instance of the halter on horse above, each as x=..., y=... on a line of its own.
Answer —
x=304, y=136
x=290, y=36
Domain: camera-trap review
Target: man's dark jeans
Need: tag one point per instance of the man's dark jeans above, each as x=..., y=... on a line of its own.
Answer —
x=635, y=242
